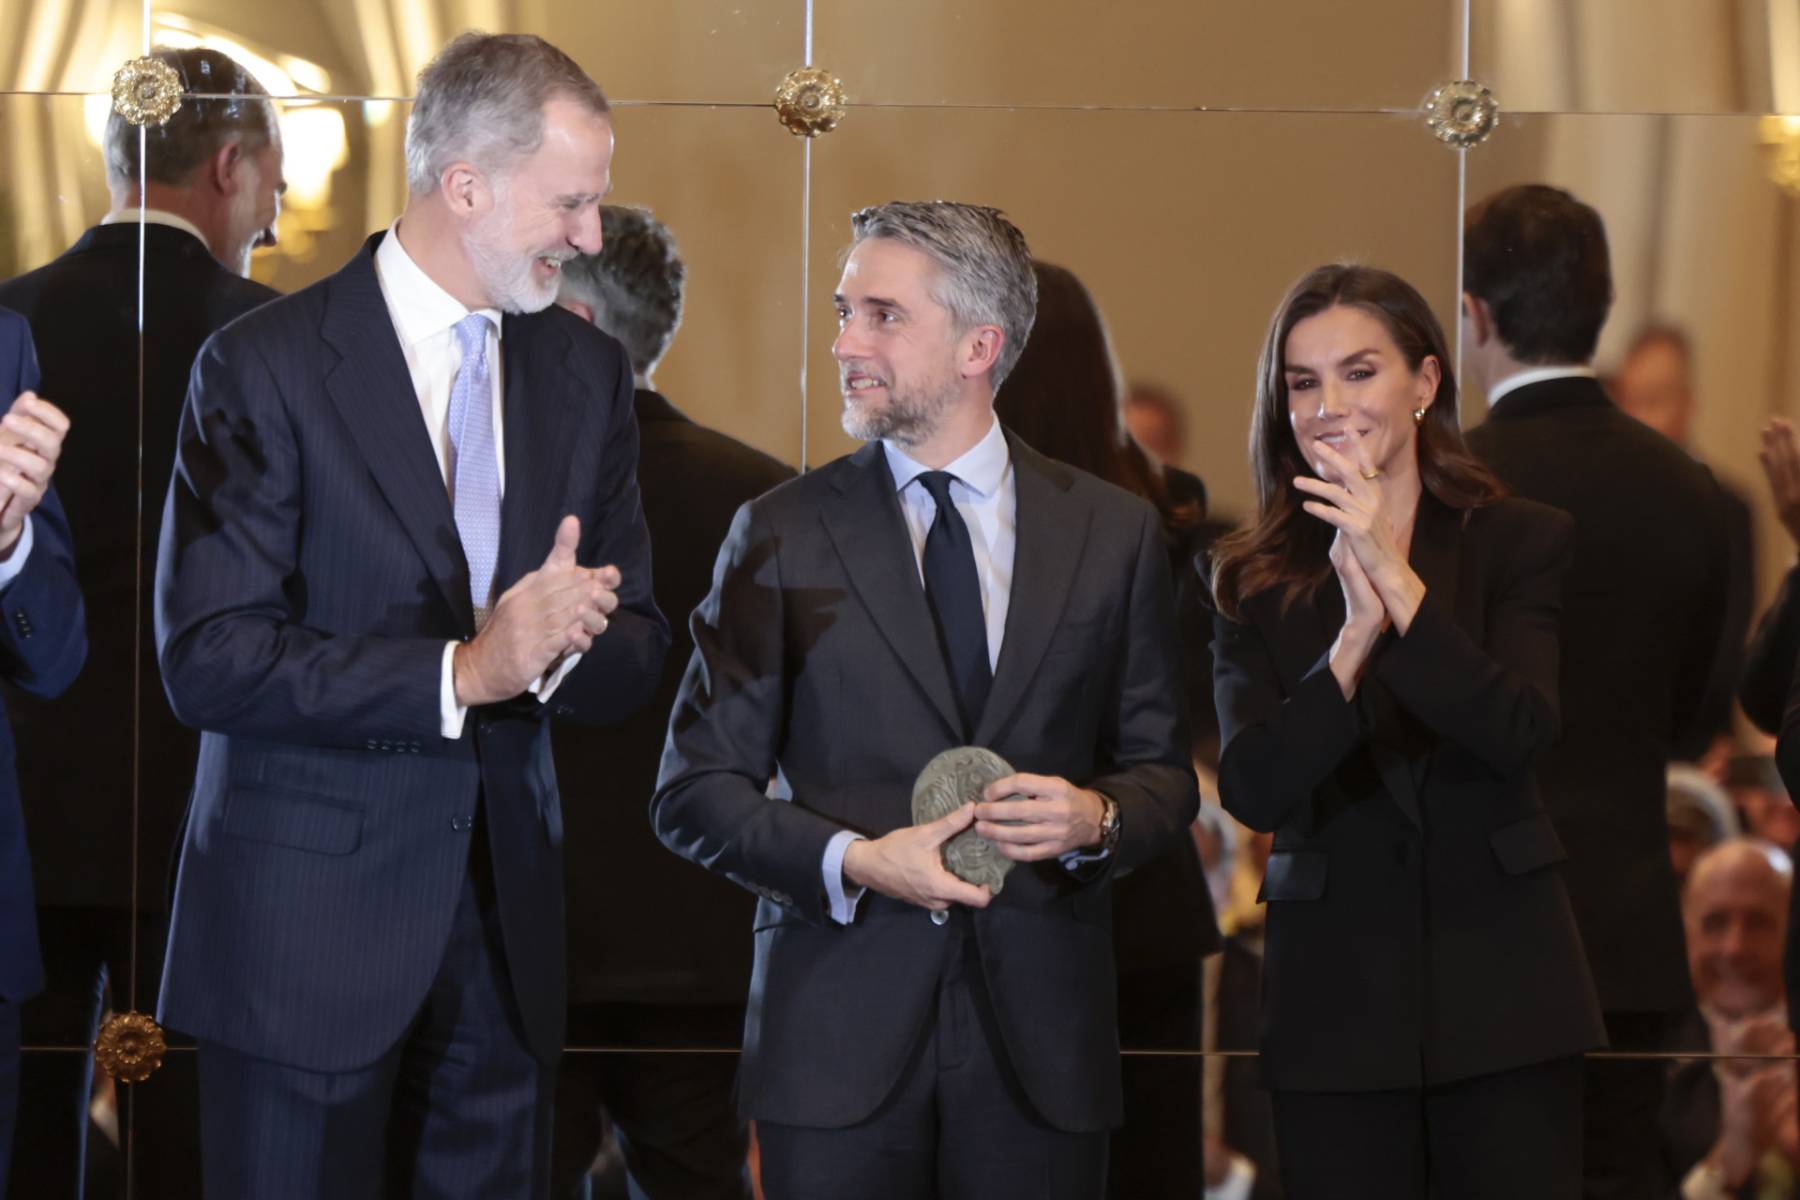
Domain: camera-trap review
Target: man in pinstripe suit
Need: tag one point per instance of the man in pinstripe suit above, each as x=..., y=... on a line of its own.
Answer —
x=404, y=528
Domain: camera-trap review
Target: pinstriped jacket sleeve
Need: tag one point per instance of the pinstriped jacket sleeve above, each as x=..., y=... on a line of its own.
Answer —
x=234, y=660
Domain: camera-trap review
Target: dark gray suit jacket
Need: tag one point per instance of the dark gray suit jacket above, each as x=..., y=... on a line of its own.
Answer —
x=309, y=576
x=815, y=653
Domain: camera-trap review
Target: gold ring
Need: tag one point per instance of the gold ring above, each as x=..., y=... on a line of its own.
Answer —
x=1375, y=474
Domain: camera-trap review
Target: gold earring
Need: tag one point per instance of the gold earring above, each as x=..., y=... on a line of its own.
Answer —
x=1419, y=415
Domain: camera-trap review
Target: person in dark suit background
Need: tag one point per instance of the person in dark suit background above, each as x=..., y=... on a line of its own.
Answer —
x=1062, y=400
x=386, y=559
x=1655, y=384
x=203, y=196
x=43, y=642
x=1386, y=645
x=1644, y=625
x=675, y=973
x=911, y=1034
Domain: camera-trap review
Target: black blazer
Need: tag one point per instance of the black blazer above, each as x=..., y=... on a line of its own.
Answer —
x=42, y=645
x=815, y=653
x=1418, y=928
x=1644, y=638
x=83, y=309
x=692, y=946
x=309, y=576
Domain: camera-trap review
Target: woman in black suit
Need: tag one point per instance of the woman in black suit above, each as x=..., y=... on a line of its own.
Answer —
x=1386, y=673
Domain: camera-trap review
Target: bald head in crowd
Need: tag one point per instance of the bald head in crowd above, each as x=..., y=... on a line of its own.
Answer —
x=1735, y=908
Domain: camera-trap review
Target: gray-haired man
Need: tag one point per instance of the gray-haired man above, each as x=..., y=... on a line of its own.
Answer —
x=404, y=527
x=911, y=1034
x=675, y=973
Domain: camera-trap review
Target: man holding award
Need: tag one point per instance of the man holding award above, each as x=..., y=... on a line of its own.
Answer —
x=912, y=1033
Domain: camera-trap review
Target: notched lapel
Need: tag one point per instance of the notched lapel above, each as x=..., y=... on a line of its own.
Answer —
x=373, y=393
x=1052, y=530
x=869, y=533
x=537, y=396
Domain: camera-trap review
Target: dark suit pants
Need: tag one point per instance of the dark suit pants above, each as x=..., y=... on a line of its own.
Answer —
x=674, y=1114
x=1621, y=1137
x=459, y=1108
x=957, y=1126
x=1509, y=1136
x=9, y=1083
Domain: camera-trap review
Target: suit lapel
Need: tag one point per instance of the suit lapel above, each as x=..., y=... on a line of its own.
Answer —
x=536, y=399
x=1052, y=530
x=870, y=536
x=373, y=393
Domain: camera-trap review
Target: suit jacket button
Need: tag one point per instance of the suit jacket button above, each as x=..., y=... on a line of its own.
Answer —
x=462, y=824
x=940, y=917
x=370, y=743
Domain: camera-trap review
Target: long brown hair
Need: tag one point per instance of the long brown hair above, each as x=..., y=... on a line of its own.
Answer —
x=1287, y=547
x=1063, y=397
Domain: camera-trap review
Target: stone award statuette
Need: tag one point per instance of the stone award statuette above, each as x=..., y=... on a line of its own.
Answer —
x=949, y=781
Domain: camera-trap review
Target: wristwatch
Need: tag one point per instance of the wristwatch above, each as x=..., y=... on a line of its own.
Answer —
x=1109, y=825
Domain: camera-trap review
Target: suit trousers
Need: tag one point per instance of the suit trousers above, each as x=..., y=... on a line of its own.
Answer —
x=1506, y=1136
x=459, y=1108
x=673, y=1112
x=957, y=1126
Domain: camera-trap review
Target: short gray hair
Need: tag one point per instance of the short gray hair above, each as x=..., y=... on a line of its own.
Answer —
x=634, y=285
x=237, y=109
x=481, y=100
x=985, y=275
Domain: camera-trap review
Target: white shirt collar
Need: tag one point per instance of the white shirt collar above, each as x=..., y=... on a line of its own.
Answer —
x=1513, y=383
x=156, y=216
x=421, y=309
x=981, y=468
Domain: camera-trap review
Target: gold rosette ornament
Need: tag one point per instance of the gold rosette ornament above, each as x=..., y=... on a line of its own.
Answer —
x=130, y=1047
x=810, y=102
x=1781, y=146
x=1462, y=113
x=146, y=91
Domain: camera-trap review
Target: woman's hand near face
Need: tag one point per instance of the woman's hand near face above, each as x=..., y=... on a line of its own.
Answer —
x=1364, y=618
x=1349, y=498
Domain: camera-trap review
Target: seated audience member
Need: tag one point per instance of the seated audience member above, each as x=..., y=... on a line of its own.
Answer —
x=1700, y=816
x=679, y=980
x=1729, y=1125
x=1761, y=799
x=1153, y=415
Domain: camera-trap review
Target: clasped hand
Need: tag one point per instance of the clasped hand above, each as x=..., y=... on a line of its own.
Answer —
x=556, y=610
x=1379, y=585
x=31, y=440
x=1026, y=817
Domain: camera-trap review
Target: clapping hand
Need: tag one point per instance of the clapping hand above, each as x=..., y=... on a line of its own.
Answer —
x=1780, y=457
x=31, y=439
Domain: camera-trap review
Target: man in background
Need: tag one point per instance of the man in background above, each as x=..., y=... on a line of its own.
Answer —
x=673, y=973
x=1644, y=625
x=201, y=195
x=1729, y=1125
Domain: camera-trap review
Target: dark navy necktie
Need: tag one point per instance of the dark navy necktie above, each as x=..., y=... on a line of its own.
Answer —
x=954, y=593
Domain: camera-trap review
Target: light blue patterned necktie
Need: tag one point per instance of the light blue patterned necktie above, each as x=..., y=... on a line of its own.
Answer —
x=475, y=466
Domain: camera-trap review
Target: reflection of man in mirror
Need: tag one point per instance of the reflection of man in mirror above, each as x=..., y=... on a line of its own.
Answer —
x=854, y=632
x=1645, y=650
x=673, y=974
x=204, y=193
x=1730, y=1125
x=404, y=528
x=42, y=646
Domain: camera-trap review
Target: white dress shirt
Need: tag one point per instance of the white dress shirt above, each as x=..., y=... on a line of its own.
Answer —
x=985, y=492
x=156, y=216
x=1513, y=383
x=15, y=562
x=425, y=318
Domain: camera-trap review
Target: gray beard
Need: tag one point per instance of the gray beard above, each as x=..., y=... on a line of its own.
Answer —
x=908, y=419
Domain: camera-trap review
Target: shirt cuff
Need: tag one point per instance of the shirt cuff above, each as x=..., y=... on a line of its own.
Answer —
x=450, y=713
x=1238, y=1182
x=546, y=684
x=15, y=562
x=1705, y=1182
x=842, y=904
